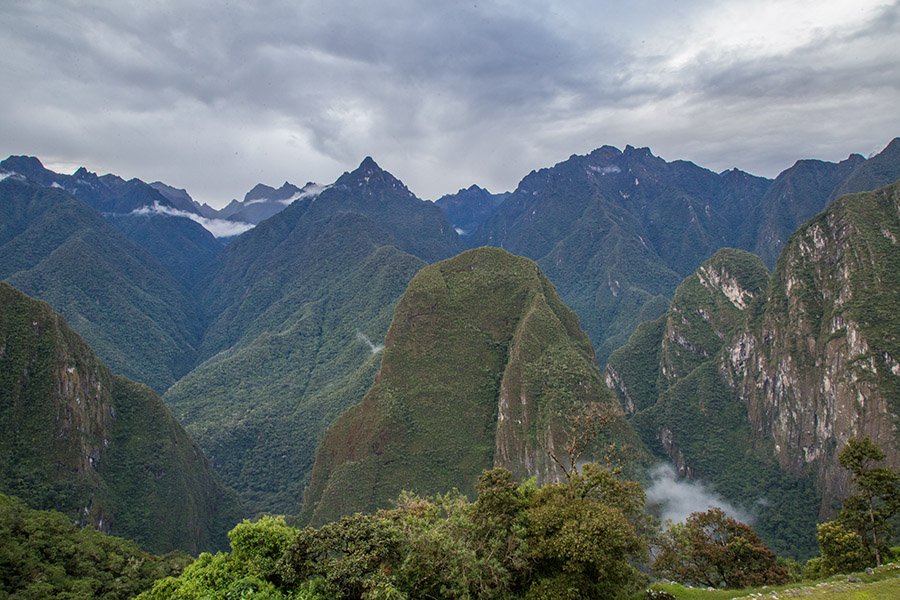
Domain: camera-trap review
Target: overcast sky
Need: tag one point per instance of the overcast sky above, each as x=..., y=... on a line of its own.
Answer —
x=442, y=94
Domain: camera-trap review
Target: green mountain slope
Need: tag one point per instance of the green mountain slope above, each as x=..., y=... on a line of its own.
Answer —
x=182, y=246
x=132, y=312
x=668, y=376
x=101, y=449
x=297, y=307
x=880, y=170
x=482, y=366
x=797, y=195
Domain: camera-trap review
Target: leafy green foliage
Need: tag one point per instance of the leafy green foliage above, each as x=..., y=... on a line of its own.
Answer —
x=876, y=500
x=715, y=550
x=514, y=541
x=842, y=550
x=584, y=537
x=44, y=556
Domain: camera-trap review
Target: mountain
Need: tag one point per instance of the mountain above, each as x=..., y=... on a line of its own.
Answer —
x=667, y=377
x=820, y=364
x=98, y=447
x=180, y=199
x=797, y=194
x=754, y=384
x=880, y=170
x=263, y=201
x=118, y=297
x=616, y=231
x=159, y=218
x=482, y=366
x=183, y=247
x=469, y=207
x=298, y=308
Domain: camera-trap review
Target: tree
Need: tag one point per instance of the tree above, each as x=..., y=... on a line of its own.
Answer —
x=841, y=549
x=713, y=549
x=585, y=426
x=877, y=499
x=584, y=536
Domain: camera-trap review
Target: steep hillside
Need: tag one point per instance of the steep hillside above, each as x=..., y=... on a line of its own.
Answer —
x=820, y=364
x=758, y=392
x=187, y=250
x=667, y=377
x=100, y=448
x=482, y=366
x=880, y=170
x=299, y=307
x=125, y=304
x=154, y=219
x=255, y=267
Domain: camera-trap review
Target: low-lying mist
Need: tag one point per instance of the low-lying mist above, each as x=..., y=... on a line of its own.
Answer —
x=675, y=499
x=375, y=348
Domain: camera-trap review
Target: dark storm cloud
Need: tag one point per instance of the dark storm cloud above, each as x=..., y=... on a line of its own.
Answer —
x=217, y=97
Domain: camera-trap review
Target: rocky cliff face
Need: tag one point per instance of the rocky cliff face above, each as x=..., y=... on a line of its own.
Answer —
x=482, y=366
x=820, y=365
x=758, y=382
x=100, y=448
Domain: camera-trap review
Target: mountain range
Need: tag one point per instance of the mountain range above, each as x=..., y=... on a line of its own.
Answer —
x=261, y=343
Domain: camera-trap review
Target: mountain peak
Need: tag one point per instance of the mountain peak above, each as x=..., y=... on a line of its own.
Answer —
x=369, y=176
x=369, y=163
x=22, y=163
x=29, y=167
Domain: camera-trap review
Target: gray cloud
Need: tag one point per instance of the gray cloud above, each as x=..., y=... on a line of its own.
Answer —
x=216, y=98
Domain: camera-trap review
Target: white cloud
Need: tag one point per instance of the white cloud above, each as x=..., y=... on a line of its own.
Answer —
x=217, y=227
x=678, y=498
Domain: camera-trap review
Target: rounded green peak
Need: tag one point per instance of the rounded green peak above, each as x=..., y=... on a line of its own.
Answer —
x=481, y=367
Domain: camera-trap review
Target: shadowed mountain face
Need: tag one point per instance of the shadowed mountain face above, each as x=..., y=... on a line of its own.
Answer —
x=468, y=208
x=286, y=322
x=756, y=385
x=616, y=231
x=298, y=309
x=121, y=300
x=98, y=447
x=797, y=195
x=482, y=365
